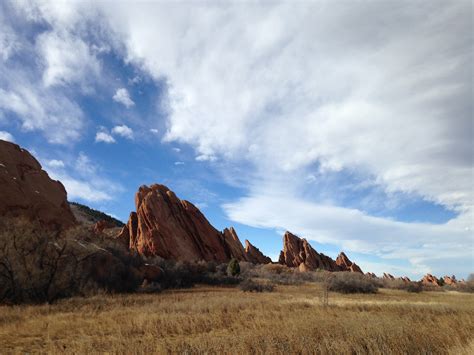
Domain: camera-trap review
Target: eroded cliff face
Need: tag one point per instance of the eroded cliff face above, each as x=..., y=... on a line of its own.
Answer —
x=27, y=190
x=171, y=228
x=297, y=252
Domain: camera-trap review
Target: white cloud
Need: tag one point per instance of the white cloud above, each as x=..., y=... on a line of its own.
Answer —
x=6, y=136
x=67, y=59
x=206, y=157
x=422, y=244
x=54, y=163
x=154, y=131
x=178, y=163
x=83, y=180
x=122, y=96
x=123, y=131
x=104, y=137
x=176, y=150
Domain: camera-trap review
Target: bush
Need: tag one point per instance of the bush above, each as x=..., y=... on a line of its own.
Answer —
x=348, y=282
x=252, y=286
x=414, y=287
x=233, y=269
x=42, y=266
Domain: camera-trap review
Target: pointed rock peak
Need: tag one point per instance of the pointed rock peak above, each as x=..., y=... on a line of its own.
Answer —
x=173, y=229
x=254, y=255
x=430, y=280
x=346, y=264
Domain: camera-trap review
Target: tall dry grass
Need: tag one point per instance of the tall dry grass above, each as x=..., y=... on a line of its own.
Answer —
x=227, y=320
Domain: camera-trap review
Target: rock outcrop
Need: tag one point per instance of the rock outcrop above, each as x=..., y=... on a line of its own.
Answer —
x=345, y=264
x=297, y=251
x=371, y=275
x=430, y=280
x=27, y=190
x=234, y=246
x=450, y=280
x=165, y=226
x=387, y=276
x=254, y=255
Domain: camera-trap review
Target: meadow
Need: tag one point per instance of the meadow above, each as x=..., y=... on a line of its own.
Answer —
x=217, y=319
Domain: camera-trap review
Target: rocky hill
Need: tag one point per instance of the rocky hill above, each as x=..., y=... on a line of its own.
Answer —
x=89, y=216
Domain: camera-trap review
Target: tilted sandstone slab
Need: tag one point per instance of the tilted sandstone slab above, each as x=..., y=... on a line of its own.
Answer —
x=430, y=280
x=254, y=255
x=28, y=191
x=297, y=251
x=346, y=264
x=175, y=229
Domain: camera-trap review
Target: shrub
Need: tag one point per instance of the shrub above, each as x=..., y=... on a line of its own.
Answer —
x=252, y=286
x=233, y=269
x=414, y=287
x=348, y=282
x=42, y=266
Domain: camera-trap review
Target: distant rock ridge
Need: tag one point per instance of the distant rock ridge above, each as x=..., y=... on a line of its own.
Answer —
x=165, y=226
x=297, y=252
x=28, y=191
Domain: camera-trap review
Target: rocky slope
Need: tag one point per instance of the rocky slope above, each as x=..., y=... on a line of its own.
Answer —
x=299, y=253
x=171, y=228
x=27, y=190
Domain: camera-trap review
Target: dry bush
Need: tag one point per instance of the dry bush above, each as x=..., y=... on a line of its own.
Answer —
x=282, y=275
x=186, y=274
x=42, y=266
x=351, y=282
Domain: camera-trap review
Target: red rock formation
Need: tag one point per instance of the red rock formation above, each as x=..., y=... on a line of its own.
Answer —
x=233, y=244
x=451, y=281
x=430, y=280
x=175, y=229
x=371, y=274
x=346, y=265
x=27, y=190
x=254, y=255
x=405, y=279
x=388, y=276
x=296, y=251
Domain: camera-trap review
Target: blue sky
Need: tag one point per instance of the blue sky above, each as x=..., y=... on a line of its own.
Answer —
x=348, y=124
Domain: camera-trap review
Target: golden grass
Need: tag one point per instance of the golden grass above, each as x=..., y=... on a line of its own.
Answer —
x=226, y=320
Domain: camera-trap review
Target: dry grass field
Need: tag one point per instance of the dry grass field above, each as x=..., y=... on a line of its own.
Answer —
x=226, y=320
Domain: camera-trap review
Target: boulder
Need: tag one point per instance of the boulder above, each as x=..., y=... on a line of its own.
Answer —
x=27, y=190
x=347, y=265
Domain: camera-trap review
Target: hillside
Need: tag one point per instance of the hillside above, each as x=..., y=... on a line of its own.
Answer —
x=87, y=215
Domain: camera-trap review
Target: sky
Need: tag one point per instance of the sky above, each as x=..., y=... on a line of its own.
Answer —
x=347, y=123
